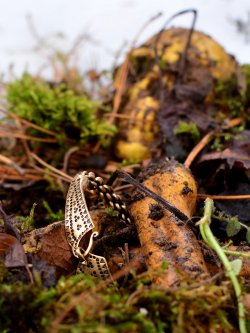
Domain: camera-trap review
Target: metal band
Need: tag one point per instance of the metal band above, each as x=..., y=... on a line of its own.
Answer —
x=95, y=266
x=78, y=221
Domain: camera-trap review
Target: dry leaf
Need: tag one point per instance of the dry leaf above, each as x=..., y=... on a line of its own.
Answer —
x=12, y=250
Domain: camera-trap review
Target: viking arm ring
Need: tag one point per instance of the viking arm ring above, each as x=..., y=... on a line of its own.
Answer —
x=78, y=221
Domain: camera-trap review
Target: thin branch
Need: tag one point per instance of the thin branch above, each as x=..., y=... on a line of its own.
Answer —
x=122, y=75
x=50, y=173
x=150, y=193
x=224, y=197
x=59, y=172
x=12, y=164
x=184, y=53
x=67, y=157
x=25, y=137
x=207, y=138
x=198, y=148
x=28, y=123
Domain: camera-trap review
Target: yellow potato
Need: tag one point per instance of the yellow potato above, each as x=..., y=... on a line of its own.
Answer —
x=206, y=62
x=163, y=237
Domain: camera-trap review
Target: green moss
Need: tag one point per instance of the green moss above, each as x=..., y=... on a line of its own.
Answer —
x=187, y=128
x=134, y=308
x=27, y=222
x=57, y=109
x=246, y=70
x=229, y=97
x=20, y=312
x=53, y=216
x=218, y=144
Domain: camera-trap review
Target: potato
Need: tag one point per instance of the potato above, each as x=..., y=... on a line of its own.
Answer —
x=163, y=237
x=206, y=63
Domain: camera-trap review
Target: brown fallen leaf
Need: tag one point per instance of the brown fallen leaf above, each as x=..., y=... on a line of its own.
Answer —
x=163, y=237
x=12, y=251
x=236, y=153
x=227, y=173
x=50, y=245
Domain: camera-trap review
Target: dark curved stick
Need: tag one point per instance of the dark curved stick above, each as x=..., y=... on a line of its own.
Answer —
x=122, y=174
x=184, y=53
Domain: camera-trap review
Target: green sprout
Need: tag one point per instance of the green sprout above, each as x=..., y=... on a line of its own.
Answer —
x=232, y=268
x=58, y=216
x=27, y=221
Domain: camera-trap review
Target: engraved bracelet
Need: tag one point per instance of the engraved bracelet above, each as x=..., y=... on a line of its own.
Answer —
x=78, y=221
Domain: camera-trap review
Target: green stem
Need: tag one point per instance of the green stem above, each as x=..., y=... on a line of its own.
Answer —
x=236, y=253
x=227, y=245
x=213, y=243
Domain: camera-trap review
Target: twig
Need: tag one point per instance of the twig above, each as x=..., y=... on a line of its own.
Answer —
x=229, y=123
x=28, y=123
x=29, y=273
x=198, y=148
x=184, y=53
x=50, y=173
x=67, y=157
x=123, y=187
x=126, y=251
x=40, y=41
x=207, y=138
x=59, y=172
x=11, y=163
x=9, y=173
x=224, y=197
x=122, y=76
x=181, y=216
x=25, y=137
